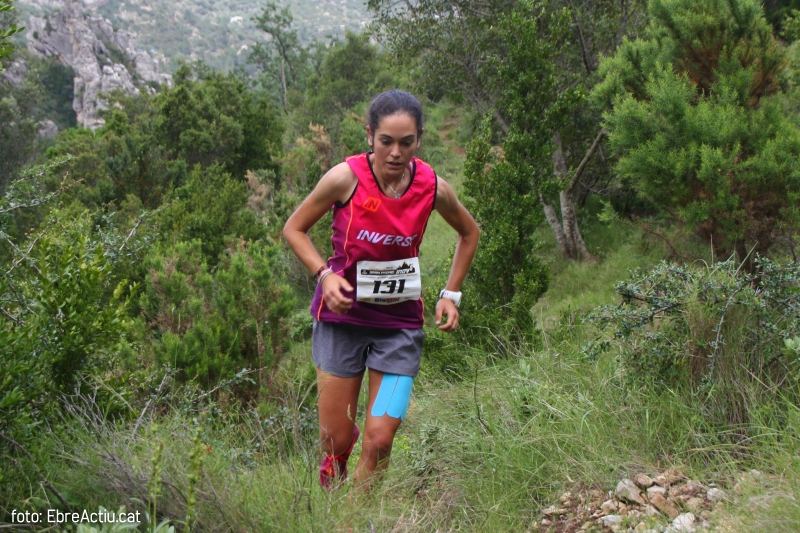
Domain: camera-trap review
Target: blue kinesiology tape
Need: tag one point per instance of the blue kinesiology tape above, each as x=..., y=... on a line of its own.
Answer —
x=393, y=396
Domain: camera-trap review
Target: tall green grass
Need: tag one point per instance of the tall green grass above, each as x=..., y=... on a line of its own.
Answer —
x=482, y=455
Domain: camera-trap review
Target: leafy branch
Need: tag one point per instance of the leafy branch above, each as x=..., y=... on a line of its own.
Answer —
x=5, y=47
x=25, y=192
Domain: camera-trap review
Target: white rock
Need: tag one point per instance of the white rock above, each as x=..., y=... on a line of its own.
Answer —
x=45, y=4
x=554, y=511
x=715, y=495
x=15, y=72
x=695, y=505
x=656, y=490
x=48, y=129
x=611, y=520
x=643, y=481
x=636, y=515
x=684, y=523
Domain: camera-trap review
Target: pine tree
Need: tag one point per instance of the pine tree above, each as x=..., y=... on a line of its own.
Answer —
x=697, y=126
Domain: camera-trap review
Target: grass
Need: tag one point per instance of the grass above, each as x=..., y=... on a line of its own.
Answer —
x=485, y=454
x=577, y=288
x=767, y=498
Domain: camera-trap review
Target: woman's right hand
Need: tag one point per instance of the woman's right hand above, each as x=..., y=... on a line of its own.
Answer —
x=333, y=287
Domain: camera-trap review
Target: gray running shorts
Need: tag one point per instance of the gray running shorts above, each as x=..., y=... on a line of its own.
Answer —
x=345, y=350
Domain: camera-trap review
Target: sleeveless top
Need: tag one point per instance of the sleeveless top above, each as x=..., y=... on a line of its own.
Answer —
x=376, y=240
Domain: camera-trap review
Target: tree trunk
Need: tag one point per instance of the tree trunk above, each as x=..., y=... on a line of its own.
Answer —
x=501, y=121
x=566, y=230
x=283, y=84
x=569, y=219
x=555, y=224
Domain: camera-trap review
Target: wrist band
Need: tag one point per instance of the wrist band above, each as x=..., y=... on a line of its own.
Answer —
x=325, y=273
x=321, y=272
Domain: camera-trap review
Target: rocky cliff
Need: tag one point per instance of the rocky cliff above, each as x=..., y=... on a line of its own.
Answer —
x=104, y=59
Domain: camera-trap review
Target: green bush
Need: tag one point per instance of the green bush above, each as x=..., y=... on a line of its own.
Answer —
x=150, y=142
x=713, y=331
x=211, y=323
x=19, y=126
x=210, y=208
x=506, y=278
x=211, y=118
x=64, y=313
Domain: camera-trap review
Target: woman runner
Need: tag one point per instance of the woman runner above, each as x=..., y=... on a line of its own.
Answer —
x=367, y=309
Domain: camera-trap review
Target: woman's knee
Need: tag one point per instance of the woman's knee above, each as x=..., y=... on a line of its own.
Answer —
x=380, y=440
x=336, y=440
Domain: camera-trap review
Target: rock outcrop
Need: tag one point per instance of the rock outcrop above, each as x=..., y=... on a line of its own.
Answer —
x=15, y=72
x=48, y=129
x=103, y=59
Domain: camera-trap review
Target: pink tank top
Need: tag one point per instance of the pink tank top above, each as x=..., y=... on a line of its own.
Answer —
x=376, y=240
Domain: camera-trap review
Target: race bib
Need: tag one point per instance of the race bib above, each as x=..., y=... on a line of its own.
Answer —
x=388, y=282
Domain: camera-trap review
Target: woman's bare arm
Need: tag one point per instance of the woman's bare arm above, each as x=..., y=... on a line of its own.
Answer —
x=460, y=220
x=337, y=185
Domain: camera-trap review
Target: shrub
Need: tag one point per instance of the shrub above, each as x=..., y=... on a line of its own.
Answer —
x=211, y=118
x=209, y=208
x=64, y=313
x=506, y=277
x=210, y=324
x=714, y=330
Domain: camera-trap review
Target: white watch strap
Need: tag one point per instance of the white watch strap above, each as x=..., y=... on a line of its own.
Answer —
x=451, y=295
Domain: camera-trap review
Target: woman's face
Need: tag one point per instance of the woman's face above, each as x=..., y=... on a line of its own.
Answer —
x=394, y=142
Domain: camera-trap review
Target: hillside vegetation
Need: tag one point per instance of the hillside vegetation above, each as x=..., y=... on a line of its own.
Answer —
x=220, y=34
x=632, y=315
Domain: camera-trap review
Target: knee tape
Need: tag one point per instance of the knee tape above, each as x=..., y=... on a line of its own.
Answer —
x=393, y=396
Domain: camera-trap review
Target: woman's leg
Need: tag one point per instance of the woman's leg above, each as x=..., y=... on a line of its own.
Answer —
x=338, y=399
x=378, y=436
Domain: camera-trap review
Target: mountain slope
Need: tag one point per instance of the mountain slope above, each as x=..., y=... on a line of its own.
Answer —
x=219, y=33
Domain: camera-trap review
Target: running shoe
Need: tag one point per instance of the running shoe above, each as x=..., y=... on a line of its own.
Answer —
x=333, y=469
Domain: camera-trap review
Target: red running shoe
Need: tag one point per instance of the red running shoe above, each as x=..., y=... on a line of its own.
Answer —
x=333, y=469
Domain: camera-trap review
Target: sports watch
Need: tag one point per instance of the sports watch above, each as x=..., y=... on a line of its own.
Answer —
x=451, y=295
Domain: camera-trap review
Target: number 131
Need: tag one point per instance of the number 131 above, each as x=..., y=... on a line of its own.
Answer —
x=391, y=285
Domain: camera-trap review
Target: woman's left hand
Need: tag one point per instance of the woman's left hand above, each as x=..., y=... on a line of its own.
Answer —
x=448, y=308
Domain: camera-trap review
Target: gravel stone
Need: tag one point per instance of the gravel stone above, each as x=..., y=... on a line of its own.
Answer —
x=628, y=491
x=715, y=495
x=684, y=523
